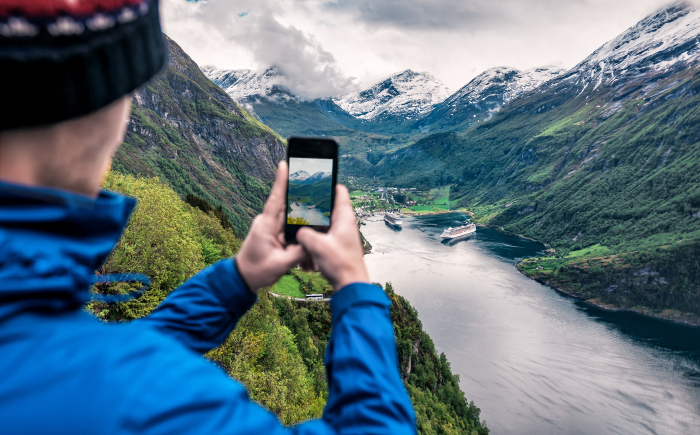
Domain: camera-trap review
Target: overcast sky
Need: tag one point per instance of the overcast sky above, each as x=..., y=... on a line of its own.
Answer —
x=328, y=47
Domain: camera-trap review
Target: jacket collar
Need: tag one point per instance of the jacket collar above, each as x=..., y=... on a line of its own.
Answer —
x=51, y=243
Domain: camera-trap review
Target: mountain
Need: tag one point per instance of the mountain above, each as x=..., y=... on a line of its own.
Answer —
x=485, y=95
x=299, y=176
x=318, y=176
x=193, y=136
x=243, y=83
x=265, y=97
x=402, y=97
x=303, y=177
x=600, y=162
x=658, y=45
x=387, y=116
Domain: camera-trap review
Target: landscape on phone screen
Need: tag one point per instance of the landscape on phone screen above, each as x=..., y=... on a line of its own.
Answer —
x=310, y=186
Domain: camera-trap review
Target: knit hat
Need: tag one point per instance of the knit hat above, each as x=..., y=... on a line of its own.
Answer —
x=60, y=59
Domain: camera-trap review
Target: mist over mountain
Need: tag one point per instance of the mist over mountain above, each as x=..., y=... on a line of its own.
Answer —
x=299, y=176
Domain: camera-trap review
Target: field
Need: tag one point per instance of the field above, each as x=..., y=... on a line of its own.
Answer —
x=356, y=193
x=430, y=201
x=288, y=286
x=299, y=283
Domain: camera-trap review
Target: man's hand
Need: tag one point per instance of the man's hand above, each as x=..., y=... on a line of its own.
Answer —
x=338, y=254
x=264, y=258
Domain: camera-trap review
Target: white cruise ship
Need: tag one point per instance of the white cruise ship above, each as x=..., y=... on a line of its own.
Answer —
x=464, y=230
x=392, y=219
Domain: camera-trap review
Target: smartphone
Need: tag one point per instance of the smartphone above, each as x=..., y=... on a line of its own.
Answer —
x=313, y=173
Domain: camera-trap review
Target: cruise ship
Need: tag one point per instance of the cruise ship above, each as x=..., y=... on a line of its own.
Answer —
x=392, y=219
x=464, y=230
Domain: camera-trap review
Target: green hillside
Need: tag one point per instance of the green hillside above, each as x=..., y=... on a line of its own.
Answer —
x=277, y=348
x=616, y=167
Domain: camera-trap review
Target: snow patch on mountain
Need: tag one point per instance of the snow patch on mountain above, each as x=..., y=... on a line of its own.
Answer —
x=318, y=176
x=504, y=82
x=242, y=84
x=657, y=43
x=305, y=178
x=407, y=94
x=299, y=176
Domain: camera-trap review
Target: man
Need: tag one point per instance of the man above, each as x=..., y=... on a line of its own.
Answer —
x=67, y=68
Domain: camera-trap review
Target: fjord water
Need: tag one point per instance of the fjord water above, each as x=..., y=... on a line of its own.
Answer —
x=536, y=361
x=313, y=215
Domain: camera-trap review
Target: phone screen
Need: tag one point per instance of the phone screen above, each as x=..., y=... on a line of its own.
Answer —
x=313, y=164
x=309, y=191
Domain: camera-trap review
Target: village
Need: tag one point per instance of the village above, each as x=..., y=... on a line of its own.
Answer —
x=368, y=201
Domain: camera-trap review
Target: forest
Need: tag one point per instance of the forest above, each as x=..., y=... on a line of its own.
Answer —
x=277, y=349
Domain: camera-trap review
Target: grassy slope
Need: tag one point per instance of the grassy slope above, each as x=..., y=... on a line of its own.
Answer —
x=288, y=286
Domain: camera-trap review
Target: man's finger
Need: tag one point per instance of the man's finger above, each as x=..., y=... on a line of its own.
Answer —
x=276, y=202
x=342, y=210
x=293, y=255
x=309, y=239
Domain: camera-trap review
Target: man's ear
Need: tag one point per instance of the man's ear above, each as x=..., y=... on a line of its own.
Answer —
x=105, y=171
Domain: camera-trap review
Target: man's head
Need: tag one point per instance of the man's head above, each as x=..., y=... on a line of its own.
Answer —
x=68, y=65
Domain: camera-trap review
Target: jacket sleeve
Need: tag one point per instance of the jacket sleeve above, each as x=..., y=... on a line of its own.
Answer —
x=203, y=311
x=366, y=394
x=182, y=393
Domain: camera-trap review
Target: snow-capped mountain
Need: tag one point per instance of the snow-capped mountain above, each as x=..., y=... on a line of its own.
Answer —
x=318, y=176
x=299, y=176
x=242, y=84
x=503, y=83
x=303, y=177
x=486, y=93
x=665, y=40
x=407, y=94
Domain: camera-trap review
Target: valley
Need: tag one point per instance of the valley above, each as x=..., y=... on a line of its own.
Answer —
x=602, y=154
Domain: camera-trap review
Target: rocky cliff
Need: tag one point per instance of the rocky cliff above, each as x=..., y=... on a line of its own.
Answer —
x=188, y=132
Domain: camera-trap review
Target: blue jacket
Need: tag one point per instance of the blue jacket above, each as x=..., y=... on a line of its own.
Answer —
x=64, y=372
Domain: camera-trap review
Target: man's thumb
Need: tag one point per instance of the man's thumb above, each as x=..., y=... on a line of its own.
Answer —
x=310, y=239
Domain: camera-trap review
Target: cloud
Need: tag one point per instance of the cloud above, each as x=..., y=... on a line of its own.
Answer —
x=417, y=14
x=466, y=15
x=319, y=44
x=307, y=69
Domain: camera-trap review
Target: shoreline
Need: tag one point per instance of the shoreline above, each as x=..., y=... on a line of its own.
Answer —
x=429, y=213
x=693, y=323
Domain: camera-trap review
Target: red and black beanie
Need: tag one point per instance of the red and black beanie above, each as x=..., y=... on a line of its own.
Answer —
x=60, y=59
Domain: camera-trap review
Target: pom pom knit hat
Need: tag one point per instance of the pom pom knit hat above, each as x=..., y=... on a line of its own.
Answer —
x=60, y=59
